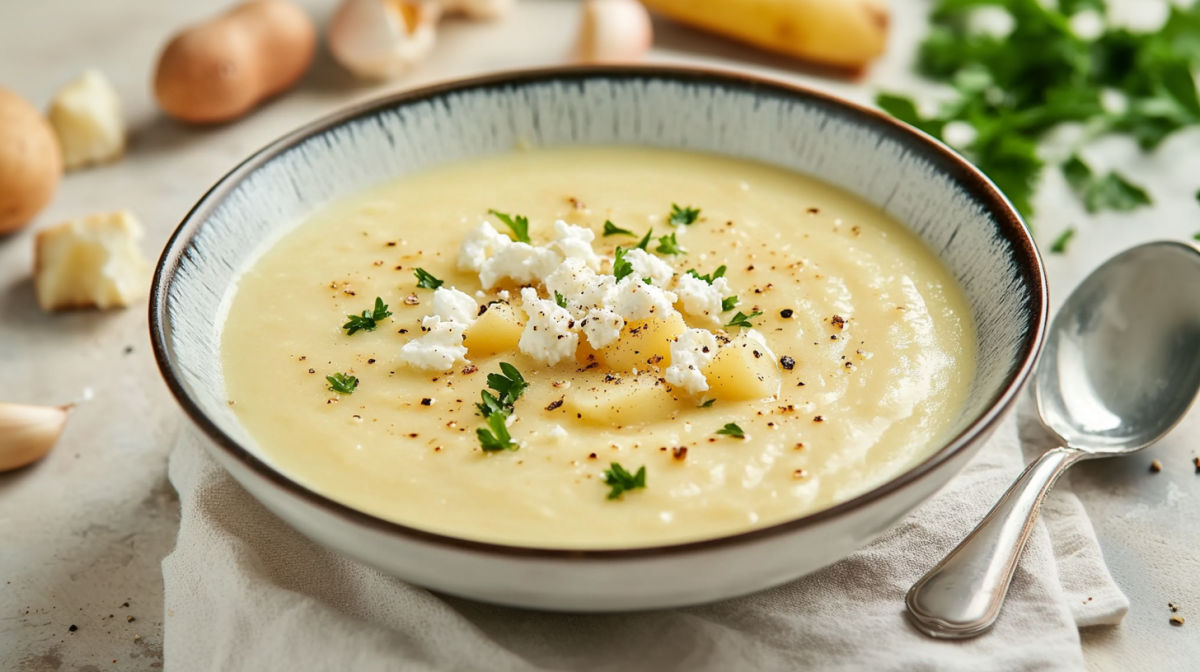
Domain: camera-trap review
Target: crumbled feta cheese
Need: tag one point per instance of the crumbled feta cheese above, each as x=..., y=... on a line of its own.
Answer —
x=700, y=298
x=647, y=265
x=521, y=262
x=602, y=327
x=635, y=300
x=479, y=245
x=439, y=348
x=557, y=433
x=451, y=304
x=548, y=336
x=581, y=287
x=575, y=242
x=691, y=351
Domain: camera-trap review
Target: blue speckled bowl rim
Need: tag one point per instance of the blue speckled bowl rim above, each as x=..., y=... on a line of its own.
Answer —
x=1010, y=227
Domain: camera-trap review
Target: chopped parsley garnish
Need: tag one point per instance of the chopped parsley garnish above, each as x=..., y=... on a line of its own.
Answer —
x=683, y=216
x=710, y=277
x=728, y=303
x=342, y=383
x=708, y=404
x=648, y=281
x=560, y=300
x=366, y=321
x=1110, y=192
x=668, y=245
x=645, y=240
x=623, y=481
x=611, y=229
x=741, y=319
x=426, y=280
x=1014, y=89
x=498, y=438
x=490, y=404
x=1196, y=236
x=509, y=384
x=621, y=267
x=518, y=225
x=1060, y=243
x=733, y=430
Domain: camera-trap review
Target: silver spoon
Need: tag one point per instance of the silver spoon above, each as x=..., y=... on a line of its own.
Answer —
x=1121, y=367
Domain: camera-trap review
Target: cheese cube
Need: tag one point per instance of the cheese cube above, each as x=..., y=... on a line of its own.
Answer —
x=86, y=116
x=91, y=262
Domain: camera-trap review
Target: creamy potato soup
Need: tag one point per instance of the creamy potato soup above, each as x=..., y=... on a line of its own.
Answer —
x=597, y=348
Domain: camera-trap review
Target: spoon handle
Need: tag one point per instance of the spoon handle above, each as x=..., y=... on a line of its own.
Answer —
x=961, y=596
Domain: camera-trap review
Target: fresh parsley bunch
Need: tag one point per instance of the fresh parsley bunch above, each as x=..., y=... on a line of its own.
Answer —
x=1013, y=89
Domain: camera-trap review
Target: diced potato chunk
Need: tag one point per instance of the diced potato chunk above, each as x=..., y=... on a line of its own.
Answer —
x=631, y=401
x=644, y=343
x=497, y=331
x=90, y=262
x=743, y=370
x=86, y=116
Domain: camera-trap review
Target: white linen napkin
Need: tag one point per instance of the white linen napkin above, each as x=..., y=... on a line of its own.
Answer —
x=246, y=592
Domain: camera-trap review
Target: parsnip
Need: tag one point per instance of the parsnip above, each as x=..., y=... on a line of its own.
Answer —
x=843, y=33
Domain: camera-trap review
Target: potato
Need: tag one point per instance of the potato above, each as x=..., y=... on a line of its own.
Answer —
x=643, y=343
x=843, y=33
x=633, y=400
x=30, y=162
x=744, y=369
x=495, y=332
x=222, y=69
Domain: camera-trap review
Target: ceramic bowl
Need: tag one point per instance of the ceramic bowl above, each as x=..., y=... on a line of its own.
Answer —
x=957, y=211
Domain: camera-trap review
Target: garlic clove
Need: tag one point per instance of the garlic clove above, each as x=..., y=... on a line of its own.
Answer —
x=380, y=39
x=479, y=10
x=29, y=432
x=614, y=31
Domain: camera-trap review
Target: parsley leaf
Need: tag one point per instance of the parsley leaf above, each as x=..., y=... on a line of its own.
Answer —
x=342, y=383
x=611, y=229
x=742, y=320
x=622, y=481
x=560, y=300
x=709, y=277
x=498, y=438
x=425, y=280
x=728, y=303
x=683, y=216
x=621, y=267
x=668, y=245
x=366, y=321
x=708, y=404
x=490, y=404
x=1110, y=191
x=1060, y=244
x=733, y=430
x=646, y=240
x=518, y=225
x=509, y=384
x=648, y=281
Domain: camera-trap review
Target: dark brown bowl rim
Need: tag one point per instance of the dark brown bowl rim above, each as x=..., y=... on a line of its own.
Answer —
x=978, y=186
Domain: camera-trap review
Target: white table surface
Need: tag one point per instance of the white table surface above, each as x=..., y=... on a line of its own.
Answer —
x=82, y=532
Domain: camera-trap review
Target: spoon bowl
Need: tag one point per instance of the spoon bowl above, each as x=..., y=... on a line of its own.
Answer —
x=1121, y=367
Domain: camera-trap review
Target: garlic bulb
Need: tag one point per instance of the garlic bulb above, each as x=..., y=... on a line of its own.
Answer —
x=380, y=39
x=614, y=31
x=28, y=432
x=479, y=10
